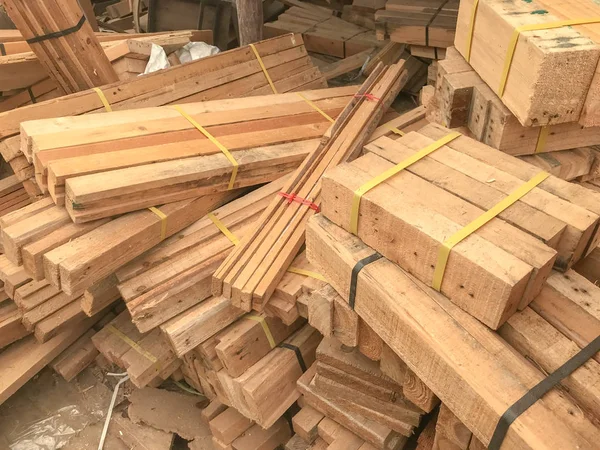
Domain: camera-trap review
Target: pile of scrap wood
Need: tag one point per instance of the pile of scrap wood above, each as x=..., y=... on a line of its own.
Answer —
x=428, y=26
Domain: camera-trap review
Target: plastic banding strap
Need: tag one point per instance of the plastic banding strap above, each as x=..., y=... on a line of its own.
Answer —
x=212, y=139
x=431, y=21
x=471, y=30
x=354, y=276
x=315, y=107
x=308, y=273
x=31, y=96
x=2, y=49
x=134, y=345
x=163, y=221
x=512, y=45
x=542, y=137
x=264, y=69
x=298, y=353
x=58, y=34
x=223, y=229
x=390, y=173
x=265, y=327
x=396, y=131
x=103, y=99
x=539, y=390
x=303, y=201
x=469, y=229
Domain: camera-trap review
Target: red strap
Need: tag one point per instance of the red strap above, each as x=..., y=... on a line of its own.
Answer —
x=368, y=97
x=294, y=198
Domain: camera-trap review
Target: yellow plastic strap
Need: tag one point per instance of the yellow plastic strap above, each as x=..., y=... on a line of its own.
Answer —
x=541, y=142
x=134, y=345
x=307, y=273
x=265, y=327
x=212, y=139
x=163, y=221
x=471, y=30
x=264, y=69
x=315, y=107
x=103, y=99
x=510, y=53
x=397, y=131
x=457, y=237
x=390, y=173
x=221, y=226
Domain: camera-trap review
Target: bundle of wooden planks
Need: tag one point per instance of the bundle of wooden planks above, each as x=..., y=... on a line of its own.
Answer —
x=323, y=32
x=168, y=156
x=236, y=73
x=468, y=167
x=463, y=99
x=476, y=372
x=251, y=272
x=13, y=195
x=429, y=25
x=517, y=50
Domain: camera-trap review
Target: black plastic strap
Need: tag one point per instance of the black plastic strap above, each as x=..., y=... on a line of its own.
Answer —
x=31, y=96
x=2, y=49
x=435, y=14
x=436, y=53
x=354, y=278
x=58, y=34
x=535, y=393
x=298, y=353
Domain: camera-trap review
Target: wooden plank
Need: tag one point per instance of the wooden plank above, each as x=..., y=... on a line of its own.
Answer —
x=77, y=357
x=306, y=424
x=229, y=425
x=277, y=373
x=245, y=342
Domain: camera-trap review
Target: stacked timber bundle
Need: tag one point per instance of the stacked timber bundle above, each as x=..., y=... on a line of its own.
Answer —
x=167, y=156
x=425, y=314
x=462, y=99
x=236, y=73
x=517, y=51
x=13, y=195
x=428, y=26
x=348, y=391
x=322, y=32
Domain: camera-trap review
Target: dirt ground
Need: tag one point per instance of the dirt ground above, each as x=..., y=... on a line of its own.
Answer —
x=48, y=413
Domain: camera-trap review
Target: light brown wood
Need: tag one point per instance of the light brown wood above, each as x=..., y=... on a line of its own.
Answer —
x=431, y=307
x=306, y=423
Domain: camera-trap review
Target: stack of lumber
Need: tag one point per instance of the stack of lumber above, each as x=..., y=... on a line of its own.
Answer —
x=13, y=195
x=438, y=336
x=156, y=155
x=322, y=32
x=428, y=26
x=28, y=83
x=249, y=275
x=517, y=50
x=573, y=235
x=362, y=12
x=350, y=389
x=463, y=99
x=236, y=73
